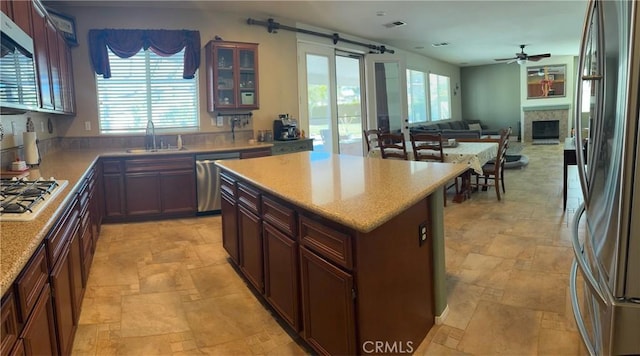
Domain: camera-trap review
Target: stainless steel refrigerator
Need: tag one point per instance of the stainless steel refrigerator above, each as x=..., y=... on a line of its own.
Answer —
x=605, y=277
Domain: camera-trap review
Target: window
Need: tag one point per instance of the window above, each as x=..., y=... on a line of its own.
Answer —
x=417, y=96
x=439, y=95
x=147, y=86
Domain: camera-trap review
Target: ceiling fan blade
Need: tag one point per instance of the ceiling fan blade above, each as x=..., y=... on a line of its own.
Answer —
x=505, y=59
x=538, y=57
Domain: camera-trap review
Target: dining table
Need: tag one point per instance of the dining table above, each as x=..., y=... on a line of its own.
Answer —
x=474, y=154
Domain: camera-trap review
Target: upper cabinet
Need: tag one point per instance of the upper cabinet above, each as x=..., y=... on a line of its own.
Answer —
x=52, y=55
x=232, y=75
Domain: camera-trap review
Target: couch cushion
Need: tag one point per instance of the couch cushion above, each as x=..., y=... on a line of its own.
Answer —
x=475, y=127
x=444, y=125
x=458, y=125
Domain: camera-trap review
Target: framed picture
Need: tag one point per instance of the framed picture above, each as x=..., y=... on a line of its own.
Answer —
x=65, y=24
x=546, y=81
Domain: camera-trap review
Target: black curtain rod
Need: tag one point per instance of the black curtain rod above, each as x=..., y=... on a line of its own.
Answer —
x=272, y=26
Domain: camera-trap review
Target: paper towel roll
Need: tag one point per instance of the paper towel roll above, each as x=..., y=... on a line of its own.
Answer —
x=31, y=154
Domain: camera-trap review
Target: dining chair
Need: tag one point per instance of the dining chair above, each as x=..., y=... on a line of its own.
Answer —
x=371, y=138
x=493, y=172
x=428, y=147
x=392, y=146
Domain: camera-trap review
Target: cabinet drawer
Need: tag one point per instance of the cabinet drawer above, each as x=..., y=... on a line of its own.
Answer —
x=326, y=241
x=9, y=327
x=29, y=284
x=282, y=217
x=111, y=166
x=159, y=164
x=59, y=235
x=249, y=197
x=228, y=184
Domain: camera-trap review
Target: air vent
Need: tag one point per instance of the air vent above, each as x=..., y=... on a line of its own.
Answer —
x=395, y=24
x=441, y=44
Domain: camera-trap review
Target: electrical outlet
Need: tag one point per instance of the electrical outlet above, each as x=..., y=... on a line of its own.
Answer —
x=41, y=126
x=423, y=232
x=220, y=121
x=87, y=125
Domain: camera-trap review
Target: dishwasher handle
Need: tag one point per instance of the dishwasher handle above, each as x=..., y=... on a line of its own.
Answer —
x=217, y=156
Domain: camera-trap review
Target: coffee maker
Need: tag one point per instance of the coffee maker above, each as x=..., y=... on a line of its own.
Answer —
x=285, y=128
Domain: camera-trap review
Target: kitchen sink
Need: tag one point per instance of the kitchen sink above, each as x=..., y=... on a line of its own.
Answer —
x=157, y=150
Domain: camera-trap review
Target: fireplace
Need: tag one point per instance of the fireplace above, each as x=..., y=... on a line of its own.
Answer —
x=544, y=130
x=557, y=115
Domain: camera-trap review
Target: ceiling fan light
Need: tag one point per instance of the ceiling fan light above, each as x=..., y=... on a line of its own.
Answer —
x=520, y=61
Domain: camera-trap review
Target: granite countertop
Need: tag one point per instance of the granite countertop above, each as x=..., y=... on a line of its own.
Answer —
x=358, y=192
x=20, y=239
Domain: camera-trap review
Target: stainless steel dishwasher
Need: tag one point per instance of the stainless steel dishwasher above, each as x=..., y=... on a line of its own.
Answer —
x=208, y=180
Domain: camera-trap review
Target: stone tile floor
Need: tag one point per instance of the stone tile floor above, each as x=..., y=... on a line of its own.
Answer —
x=166, y=287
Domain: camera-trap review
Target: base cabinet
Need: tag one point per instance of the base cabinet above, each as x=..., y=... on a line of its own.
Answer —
x=335, y=286
x=250, y=238
x=328, y=305
x=39, y=333
x=228, y=208
x=63, y=301
x=281, y=274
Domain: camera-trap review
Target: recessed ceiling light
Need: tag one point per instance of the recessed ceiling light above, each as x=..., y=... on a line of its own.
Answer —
x=440, y=44
x=381, y=13
x=395, y=24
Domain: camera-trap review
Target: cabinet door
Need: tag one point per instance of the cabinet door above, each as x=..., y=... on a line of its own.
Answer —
x=327, y=306
x=54, y=64
x=9, y=325
x=281, y=274
x=39, y=333
x=63, y=294
x=143, y=193
x=113, y=195
x=232, y=75
x=250, y=238
x=75, y=260
x=66, y=76
x=21, y=14
x=230, y=227
x=41, y=54
x=178, y=192
x=255, y=153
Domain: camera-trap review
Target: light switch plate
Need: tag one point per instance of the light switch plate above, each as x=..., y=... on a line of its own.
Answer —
x=87, y=125
x=220, y=121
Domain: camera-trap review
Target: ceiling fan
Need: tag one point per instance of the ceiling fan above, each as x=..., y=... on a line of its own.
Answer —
x=523, y=57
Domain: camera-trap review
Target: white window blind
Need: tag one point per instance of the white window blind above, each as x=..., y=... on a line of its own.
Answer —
x=147, y=86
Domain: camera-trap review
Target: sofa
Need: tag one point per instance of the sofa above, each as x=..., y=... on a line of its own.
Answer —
x=456, y=129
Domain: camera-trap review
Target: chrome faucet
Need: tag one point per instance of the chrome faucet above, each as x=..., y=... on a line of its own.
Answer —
x=150, y=136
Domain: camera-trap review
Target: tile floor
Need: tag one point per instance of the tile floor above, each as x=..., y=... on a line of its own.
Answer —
x=166, y=287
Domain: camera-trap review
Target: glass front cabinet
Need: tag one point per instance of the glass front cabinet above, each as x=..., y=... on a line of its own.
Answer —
x=232, y=75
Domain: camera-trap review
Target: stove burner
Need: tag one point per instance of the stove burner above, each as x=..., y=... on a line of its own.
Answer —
x=32, y=192
x=13, y=208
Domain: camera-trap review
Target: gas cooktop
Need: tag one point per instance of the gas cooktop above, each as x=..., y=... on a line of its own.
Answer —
x=23, y=200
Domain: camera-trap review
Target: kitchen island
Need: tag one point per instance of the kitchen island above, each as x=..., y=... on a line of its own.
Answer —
x=348, y=250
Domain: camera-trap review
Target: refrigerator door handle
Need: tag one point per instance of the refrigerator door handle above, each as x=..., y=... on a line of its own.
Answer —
x=582, y=329
x=578, y=249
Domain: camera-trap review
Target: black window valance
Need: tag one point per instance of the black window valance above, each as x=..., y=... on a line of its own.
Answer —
x=126, y=43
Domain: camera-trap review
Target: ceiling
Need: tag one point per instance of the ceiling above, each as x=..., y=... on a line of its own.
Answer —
x=476, y=31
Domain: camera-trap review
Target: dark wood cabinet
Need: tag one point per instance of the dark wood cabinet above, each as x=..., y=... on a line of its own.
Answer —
x=178, y=191
x=113, y=189
x=9, y=324
x=63, y=288
x=250, y=242
x=149, y=187
x=39, y=332
x=228, y=208
x=328, y=305
x=281, y=274
x=142, y=196
x=54, y=64
x=232, y=75
x=41, y=56
x=20, y=13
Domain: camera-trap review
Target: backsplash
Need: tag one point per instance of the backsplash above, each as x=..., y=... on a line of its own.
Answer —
x=7, y=155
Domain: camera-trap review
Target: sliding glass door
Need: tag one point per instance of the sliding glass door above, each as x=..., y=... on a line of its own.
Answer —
x=331, y=102
x=387, y=93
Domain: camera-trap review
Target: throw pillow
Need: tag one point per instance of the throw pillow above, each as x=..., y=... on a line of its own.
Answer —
x=475, y=127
